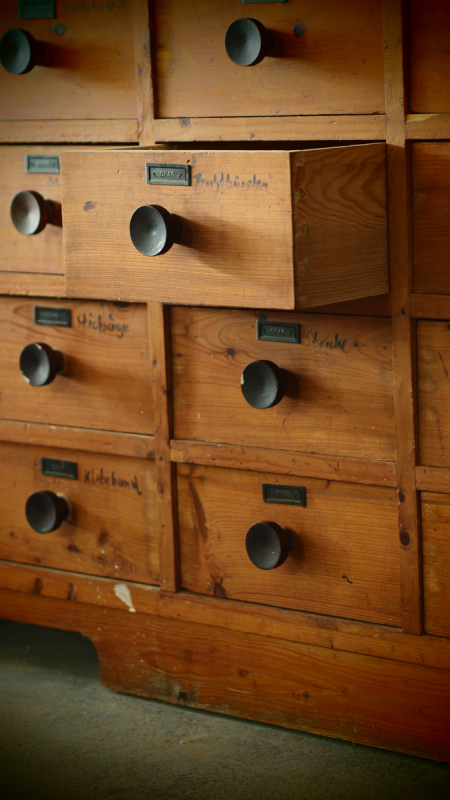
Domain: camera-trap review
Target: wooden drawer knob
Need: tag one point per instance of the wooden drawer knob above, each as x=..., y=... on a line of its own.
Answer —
x=247, y=42
x=154, y=230
x=20, y=51
x=40, y=364
x=264, y=384
x=46, y=511
x=267, y=545
x=30, y=213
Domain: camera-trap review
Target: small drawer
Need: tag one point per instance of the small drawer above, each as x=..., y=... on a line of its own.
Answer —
x=84, y=46
x=436, y=562
x=316, y=58
x=341, y=550
x=97, y=514
x=433, y=370
x=431, y=210
x=230, y=228
x=429, y=56
x=94, y=357
x=325, y=384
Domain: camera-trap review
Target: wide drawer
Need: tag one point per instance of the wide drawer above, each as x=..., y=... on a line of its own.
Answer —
x=278, y=229
x=429, y=55
x=327, y=58
x=105, y=381
x=88, y=45
x=433, y=369
x=111, y=529
x=340, y=368
x=436, y=562
x=344, y=557
x=431, y=209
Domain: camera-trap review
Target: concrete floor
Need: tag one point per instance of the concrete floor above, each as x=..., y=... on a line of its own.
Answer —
x=64, y=737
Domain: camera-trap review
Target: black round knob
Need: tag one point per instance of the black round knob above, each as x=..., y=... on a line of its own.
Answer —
x=40, y=364
x=20, y=51
x=247, y=42
x=154, y=230
x=30, y=213
x=46, y=511
x=264, y=384
x=267, y=545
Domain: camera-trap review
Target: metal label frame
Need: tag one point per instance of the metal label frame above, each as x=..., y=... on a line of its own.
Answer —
x=42, y=165
x=267, y=331
x=37, y=9
x=54, y=468
x=284, y=495
x=47, y=315
x=175, y=174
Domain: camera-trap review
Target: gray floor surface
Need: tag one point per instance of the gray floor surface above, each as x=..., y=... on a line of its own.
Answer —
x=65, y=737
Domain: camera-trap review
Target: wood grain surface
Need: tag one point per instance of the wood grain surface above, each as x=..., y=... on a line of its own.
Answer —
x=436, y=562
x=33, y=284
x=295, y=685
x=334, y=67
x=239, y=213
x=431, y=208
x=429, y=55
x=106, y=383
x=433, y=343
x=91, y=71
x=341, y=368
x=344, y=559
x=113, y=527
x=340, y=223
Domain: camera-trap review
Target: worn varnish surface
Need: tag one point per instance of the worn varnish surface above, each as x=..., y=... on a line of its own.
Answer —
x=257, y=677
x=344, y=559
x=433, y=354
x=431, y=209
x=250, y=222
x=341, y=368
x=106, y=383
x=436, y=561
x=334, y=67
x=91, y=74
x=113, y=529
x=429, y=55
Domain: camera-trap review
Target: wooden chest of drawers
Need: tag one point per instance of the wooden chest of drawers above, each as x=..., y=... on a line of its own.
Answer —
x=244, y=441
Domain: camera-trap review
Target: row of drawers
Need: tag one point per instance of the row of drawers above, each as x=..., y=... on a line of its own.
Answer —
x=223, y=376
x=242, y=242
x=340, y=545
x=319, y=58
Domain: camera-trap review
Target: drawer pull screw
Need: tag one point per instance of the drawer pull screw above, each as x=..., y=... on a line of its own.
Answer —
x=46, y=511
x=40, y=364
x=268, y=545
x=153, y=230
x=264, y=384
x=30, y=213
x=20, y=52
x=247, y=42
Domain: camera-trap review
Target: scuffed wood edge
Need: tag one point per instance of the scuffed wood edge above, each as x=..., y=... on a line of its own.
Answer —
x=428, y=126
x=78, y=590
x=400, y=256
x=144, y=83
x=165, y=471
x=95, y=441
x=433, y=479
x=430, y=306
x=350, y=127
x=32, y=284
x=284, y=462
x=72, y=131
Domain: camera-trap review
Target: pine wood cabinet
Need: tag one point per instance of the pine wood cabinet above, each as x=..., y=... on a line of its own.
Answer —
x=247, y=433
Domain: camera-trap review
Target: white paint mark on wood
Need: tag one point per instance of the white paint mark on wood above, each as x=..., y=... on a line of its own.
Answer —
x=123, y=593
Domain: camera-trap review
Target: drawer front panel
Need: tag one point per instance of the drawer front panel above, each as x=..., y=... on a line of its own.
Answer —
x=112, y=528
x=344, y=560
x=106, y=381
x=341, y=368
x=433, y=353
x=431, y=209
x=429, y=56
x=327, y=59
x=43, y=251
x=436, y=562
x=89, y=72
x=285, y=228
